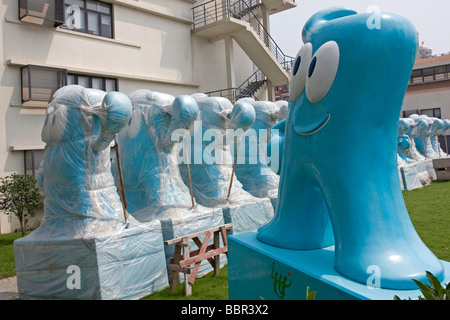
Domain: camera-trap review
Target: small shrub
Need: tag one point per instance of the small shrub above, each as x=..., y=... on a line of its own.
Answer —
x=20, y=195
x=434, y=292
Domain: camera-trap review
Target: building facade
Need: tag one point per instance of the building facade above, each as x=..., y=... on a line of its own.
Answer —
x=171, y=46
x=429, y=88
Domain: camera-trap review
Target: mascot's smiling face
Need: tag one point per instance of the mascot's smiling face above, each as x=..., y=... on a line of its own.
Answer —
x=342, y=77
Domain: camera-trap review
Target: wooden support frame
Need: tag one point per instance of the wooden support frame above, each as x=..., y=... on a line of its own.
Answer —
x=183, y=258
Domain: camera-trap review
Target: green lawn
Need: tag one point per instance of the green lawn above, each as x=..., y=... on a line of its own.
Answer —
x=7, y=268
x=429, y=209
x=209, y=287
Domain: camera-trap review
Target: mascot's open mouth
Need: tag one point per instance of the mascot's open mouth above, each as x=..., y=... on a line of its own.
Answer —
x=312, y=127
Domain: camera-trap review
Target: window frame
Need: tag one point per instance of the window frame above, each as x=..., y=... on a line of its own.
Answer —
x=422, y=76
x=85, y=11
x=434, y=112
x=33, y=160
x=90, y=78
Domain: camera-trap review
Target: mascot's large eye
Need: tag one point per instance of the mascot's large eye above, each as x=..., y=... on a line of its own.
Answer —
x=321, y=71
x=299, y=71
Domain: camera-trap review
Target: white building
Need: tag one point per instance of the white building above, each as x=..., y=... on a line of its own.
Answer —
x=429, y=88
x=171, y=46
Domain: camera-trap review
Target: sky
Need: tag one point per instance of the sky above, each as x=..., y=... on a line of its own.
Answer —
x=431, y=19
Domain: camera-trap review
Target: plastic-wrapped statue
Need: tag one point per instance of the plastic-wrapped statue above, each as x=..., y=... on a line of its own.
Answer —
x=282, y=109
x=438, y=126
x=148, y=153
x=346, y=92
x=85, y=226
x=413, y=132
x=441, y=132
x=423, y=140
x=75, y=174
x=252, y=168
x=403, y=141
x=218, y=125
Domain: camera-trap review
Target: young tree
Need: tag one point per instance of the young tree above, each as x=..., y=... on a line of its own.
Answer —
x=20, y=195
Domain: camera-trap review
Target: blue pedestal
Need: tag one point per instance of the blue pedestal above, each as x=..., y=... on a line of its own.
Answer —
x=259, y=271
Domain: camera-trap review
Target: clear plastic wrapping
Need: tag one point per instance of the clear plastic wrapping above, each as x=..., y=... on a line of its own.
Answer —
x=212, y=137
x=252, y=168
x=83, y=228
x=149, y=154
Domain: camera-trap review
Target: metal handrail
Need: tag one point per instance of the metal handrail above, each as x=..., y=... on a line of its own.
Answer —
x=216, y=10
x=232, y=93
x=257, y=76
x=236, y=93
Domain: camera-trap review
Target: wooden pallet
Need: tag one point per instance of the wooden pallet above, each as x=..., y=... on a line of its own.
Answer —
x=183, y=258
x=442, y=168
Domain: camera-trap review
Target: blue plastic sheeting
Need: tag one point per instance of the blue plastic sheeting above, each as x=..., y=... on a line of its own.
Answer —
x=83, y=224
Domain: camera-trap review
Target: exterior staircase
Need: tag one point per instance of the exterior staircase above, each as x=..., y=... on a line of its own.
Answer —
x=248, y=88
x=217, y=19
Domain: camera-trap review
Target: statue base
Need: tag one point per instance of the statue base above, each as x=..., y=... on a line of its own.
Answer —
x=115, y=263
x=259, y=271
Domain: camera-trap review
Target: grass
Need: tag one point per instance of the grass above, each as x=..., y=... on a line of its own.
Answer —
x=209, y=287
x=7, y=267
x=428, y=207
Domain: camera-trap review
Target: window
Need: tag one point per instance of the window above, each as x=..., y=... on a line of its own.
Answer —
x=407, y=113
x=430, y=74
x=40, y=83
x=416, y=76
x=43, y=12
x=434, y=112
x=105, y=84
x=32, y=160
x=92, y=17
x=441, y=72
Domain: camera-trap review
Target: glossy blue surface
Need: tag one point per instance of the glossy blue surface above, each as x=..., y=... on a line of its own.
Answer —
x=273, y=273
x=339, y=171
